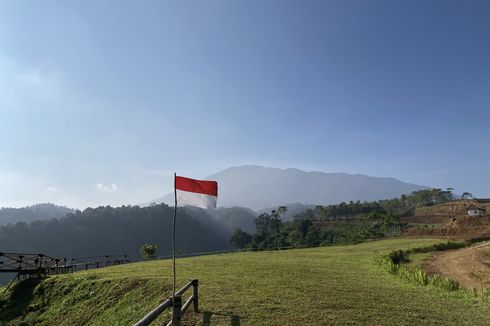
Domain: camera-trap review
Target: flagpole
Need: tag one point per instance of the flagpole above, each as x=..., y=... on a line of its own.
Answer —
x=173, y=235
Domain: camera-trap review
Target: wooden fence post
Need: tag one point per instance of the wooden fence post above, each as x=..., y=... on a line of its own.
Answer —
x=195, y=301
x=176, y=310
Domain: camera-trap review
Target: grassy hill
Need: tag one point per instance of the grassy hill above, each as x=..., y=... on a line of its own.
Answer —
x=318, y=286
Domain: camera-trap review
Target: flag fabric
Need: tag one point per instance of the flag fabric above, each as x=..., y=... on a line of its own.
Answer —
x=199, y=193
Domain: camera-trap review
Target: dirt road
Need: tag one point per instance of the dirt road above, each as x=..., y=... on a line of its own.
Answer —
x=469, y=266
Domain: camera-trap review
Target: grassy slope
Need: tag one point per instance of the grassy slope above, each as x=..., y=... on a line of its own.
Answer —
x=320, y=286
x=452, y=208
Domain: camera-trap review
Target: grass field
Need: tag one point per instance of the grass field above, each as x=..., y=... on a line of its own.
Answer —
x=320, y=286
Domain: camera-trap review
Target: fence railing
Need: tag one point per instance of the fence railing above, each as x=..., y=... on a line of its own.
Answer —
x=85, y=263
x=26, y=265
x=178, y=310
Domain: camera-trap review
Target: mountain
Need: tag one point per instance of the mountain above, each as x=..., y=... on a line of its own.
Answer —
x=32, y=213
x=258, y=187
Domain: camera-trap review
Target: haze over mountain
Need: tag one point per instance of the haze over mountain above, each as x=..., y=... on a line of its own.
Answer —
x=32, y=213
x=259, y=187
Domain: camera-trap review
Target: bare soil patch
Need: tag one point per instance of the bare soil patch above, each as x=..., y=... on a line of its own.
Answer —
x=469, y=266
x=466, y=227
x=425, y=219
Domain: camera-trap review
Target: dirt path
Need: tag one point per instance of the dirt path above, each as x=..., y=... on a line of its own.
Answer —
x=469, y=266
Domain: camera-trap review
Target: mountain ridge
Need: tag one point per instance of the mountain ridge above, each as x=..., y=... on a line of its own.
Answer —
x=41, y=211
x=257, y=187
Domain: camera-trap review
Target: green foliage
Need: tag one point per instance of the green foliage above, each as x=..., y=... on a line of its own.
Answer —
x=444, y=283
x=240, y=239
x=441, y=246
x=148, y=251
x=394, y=207
x=393, y=264
x=115, y=230
x=344, y=223
x=397, y=256
x=270, y=231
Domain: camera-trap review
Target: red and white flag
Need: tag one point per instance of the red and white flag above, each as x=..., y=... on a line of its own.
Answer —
x=199, y=193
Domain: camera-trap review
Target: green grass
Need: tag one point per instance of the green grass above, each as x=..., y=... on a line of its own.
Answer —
x=320, y=286
x=397, y=262
x=417, y=260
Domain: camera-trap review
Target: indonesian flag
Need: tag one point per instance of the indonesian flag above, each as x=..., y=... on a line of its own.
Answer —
x=197, y=193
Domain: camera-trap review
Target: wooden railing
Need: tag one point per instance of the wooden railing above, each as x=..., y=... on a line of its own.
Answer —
x=178, y=310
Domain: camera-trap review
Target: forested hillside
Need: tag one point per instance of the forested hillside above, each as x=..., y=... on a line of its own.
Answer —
x=32, y=213
x=336, y=224
x=122, y=230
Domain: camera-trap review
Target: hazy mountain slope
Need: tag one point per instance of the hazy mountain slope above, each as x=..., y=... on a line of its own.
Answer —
x=234, y=217
x=225, y=220
x=32, y=213
x=293, y=209
x=121, y=230
x=258, y=187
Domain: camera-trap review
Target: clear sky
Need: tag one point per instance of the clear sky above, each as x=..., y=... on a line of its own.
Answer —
x=100, y=101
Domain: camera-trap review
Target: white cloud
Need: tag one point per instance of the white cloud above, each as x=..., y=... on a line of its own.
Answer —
x=51, y=189
x=106, y=188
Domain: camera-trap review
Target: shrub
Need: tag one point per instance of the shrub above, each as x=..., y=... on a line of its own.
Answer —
x=148, y=251
x=397, y=256
x=392, y=262
x=446, y=245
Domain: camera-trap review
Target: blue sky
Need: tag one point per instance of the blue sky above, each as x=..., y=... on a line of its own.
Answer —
x=100, y=101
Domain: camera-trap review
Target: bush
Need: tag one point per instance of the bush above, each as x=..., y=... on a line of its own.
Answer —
x=148, y=251
x=447, y=245
x=392, y=262
x=397, y=256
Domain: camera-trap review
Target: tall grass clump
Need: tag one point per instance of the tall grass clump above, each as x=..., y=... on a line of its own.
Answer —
x=393, y=264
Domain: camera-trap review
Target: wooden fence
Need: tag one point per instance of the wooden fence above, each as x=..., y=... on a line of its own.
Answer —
x=178, y=310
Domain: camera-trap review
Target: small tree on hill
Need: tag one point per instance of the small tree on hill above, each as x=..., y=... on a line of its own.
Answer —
x=148, y=251
x=240, y=239
x=268, y=230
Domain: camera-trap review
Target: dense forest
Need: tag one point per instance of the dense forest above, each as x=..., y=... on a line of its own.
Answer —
x=123, y=230
x=335, y=224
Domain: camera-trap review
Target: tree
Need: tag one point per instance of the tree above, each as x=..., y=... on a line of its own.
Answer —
x=240, y=239
x=148, y=251
x=299, y=230
x=268, y=230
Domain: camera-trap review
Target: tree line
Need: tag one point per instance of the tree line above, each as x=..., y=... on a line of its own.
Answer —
x=336, y=224
x=110, y=230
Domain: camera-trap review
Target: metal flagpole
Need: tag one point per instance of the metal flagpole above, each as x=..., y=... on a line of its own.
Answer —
x=173, y=233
